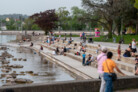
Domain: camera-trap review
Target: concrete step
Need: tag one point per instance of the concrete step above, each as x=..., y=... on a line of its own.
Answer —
x=122, y=65
x=129, y=60
x=89, y=71
x=94, y=64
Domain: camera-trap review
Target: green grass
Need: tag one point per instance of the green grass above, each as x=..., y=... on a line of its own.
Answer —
x=127, y=38
x=68, y=36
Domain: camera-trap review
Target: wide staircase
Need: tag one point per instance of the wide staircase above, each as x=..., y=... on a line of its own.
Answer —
x=126, y=65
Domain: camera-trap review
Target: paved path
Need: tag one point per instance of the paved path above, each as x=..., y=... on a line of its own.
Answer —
x=131, y=90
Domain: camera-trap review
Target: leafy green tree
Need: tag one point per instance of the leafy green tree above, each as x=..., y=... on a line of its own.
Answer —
x=110, y=12
x=35, y=27
x=28, y=23
x=136, y=4
x=63, y=17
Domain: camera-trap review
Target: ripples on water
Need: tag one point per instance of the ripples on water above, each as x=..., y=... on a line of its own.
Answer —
x=48, y=72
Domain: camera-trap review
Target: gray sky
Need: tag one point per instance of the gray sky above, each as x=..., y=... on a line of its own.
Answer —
x=33, y=6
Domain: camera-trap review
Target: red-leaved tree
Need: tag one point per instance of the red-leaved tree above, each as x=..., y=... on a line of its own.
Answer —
x=46, y=20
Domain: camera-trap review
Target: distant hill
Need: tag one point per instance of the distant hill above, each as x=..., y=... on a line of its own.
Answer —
x=14, y=16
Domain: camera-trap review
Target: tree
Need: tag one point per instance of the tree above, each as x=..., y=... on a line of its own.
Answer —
x=136, y=4
x=46, y=20
x=77, y=18
x=105, y=13
x=63, y=17
x=28, y=23
x=110, y=12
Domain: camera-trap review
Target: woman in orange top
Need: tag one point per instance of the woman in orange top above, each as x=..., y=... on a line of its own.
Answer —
x=108, y=68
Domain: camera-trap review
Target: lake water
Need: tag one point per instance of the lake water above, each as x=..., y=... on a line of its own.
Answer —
x=47, y=72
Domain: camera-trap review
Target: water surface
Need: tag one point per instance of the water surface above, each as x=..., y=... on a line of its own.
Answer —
x=48, y=72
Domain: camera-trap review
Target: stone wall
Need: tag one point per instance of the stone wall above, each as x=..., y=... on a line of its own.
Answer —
x=73, y=86
x=14, y=32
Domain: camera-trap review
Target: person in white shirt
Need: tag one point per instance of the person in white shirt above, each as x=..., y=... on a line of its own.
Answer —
x=134, y=48
x=54, y=52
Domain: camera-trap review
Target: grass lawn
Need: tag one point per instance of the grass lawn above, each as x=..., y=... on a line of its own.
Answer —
x=68, y=36
x=127, y=38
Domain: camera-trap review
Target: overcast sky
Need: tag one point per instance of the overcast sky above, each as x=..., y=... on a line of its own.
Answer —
x=33, y=6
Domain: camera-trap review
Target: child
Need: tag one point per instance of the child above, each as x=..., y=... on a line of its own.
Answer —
x=136, y=65
x=83, y=60
x=41, y=48
x=54, y=52
x=98, y=49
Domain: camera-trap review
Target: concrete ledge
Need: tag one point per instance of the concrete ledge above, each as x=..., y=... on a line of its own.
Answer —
x=73, y=86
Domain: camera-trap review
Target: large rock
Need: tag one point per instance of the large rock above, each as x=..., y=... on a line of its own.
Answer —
x=14, y=59
x=5, y=70
x=30, y=72
x=10, y=80
x=24, y=59
x=5, y=62
x=19, y=59
x=3, y=75
x=20, y=81
x=17, y=66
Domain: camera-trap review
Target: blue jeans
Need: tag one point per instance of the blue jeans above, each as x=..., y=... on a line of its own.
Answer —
x=109, y=83
x=88, y=62
x=83, y=61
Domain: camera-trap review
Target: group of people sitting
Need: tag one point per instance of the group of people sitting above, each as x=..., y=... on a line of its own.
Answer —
x=130, y=52
x=62, y=50
x=80, y=48
x=50, y=40
x=70, y=40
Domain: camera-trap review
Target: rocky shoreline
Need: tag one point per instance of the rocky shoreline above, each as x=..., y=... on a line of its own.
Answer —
x=6, y=69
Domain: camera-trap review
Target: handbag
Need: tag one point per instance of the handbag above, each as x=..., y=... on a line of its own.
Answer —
x=113, y=75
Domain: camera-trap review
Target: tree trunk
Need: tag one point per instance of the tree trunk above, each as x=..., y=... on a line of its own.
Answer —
x=46, y=32
x=137, y=29
x=110, y=29
x=110, y=34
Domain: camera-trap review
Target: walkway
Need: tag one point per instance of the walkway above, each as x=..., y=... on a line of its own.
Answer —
x=131, y=90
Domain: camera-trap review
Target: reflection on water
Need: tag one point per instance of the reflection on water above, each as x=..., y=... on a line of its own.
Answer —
x=7, y=38
x=47, y=71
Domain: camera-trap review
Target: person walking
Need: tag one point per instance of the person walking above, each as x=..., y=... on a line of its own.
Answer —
x=81, y=36
x=119, y=51
x=108, y=68
x=83, y=58
x=100, y=59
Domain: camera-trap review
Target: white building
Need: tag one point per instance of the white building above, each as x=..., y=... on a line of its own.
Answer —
x=3, y=28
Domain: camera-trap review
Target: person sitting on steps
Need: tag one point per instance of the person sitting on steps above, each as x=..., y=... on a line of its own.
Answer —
x=31, y=44
x=89, y=60
x=83, y=49
x=57, y=50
